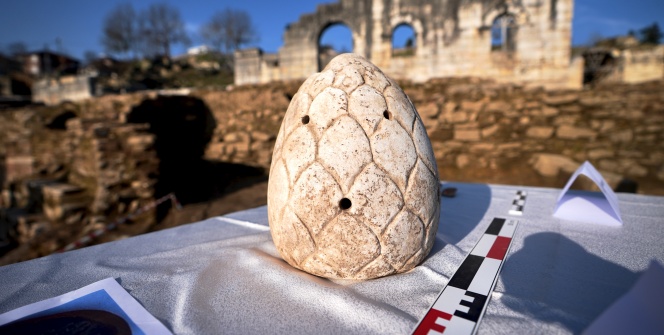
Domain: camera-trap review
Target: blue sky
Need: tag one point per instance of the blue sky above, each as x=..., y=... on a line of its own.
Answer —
x=78, y=23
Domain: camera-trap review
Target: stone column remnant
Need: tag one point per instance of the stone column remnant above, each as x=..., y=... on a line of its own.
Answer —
x=353, y=188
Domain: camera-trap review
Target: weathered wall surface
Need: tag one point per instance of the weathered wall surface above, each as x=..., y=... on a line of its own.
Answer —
x=489, y=132
x=81, y=164
x=65, y=177
x=248, y=122
x=508, y=134
x=68, y=88
x=643, y=65
x=452, y=38
x=480, y=130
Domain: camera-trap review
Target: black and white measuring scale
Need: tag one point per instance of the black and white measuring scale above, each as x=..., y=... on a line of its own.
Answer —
x=461, y=304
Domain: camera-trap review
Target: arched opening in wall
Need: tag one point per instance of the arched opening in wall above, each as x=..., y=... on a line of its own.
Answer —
x=403, y=41
x=503, y=33
x=334, y=39
x=60, y=122
x=599, y=65
x=183, y=126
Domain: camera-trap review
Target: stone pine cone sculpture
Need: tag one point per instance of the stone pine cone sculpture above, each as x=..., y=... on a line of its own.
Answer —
x=353, y=187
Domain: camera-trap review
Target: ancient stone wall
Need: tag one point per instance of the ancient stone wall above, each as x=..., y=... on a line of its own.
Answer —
x=452, y=38
x=66, y=174
x=484, y=131
x=510, y=134
x=67, y=88
x=246, y=132
x=248, y=66
x=82, y=164
x=478, y=128
x=643, y=65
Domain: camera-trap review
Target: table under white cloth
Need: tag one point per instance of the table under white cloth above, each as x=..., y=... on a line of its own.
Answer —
x=224, y=275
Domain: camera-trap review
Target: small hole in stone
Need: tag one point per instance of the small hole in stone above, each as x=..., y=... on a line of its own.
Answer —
x=387, y=115
x=345, y=203
x=305, y=119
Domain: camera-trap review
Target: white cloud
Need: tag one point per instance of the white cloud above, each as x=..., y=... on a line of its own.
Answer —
x=191, y=27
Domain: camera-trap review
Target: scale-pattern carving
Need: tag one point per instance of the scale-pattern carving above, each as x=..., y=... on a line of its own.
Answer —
x=353, y=189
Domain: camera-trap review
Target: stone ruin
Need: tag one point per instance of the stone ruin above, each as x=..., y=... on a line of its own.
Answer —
x=524, y=41
x=68, y=170
x=623, y=63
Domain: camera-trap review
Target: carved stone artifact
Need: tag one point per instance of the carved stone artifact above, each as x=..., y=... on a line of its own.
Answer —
x=353, y=188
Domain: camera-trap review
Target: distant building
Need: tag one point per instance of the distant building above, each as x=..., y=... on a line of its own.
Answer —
x=42, y=63
x=199, y=50
x=622, y=59
x=526, y=41
x=12, y=81
x=8, y=66
x=65, y=88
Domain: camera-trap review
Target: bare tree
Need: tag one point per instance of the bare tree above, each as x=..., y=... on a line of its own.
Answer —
x=90, y=56
x=16, y=48
x=120, y=32
x=161, y=27
x=228, y=30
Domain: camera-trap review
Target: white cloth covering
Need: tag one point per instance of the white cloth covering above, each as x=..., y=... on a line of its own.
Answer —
x=224, y=275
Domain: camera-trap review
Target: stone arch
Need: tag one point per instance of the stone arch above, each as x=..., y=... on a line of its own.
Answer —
x=413, y=22
x=59, y=122
x=182, y=127
x=323, y=53
x=318, y=31
x=598, y=64
x=410, y=47
x=504, y=30
x=516, y=11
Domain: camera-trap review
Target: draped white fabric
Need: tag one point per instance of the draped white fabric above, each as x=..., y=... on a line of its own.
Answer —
x=224, y=275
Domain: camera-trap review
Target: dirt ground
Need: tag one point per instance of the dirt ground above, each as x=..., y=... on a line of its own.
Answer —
x=248, y=197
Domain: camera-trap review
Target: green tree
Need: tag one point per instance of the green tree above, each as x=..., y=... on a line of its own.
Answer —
x=651, y=34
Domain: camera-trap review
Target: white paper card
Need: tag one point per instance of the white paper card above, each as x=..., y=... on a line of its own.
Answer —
x=106, y=295
x=591, y=207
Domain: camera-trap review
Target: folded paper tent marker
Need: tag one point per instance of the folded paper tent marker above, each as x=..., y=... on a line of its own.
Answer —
x=590, y=207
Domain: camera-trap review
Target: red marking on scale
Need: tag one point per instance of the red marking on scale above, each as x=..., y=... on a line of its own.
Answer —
x=499, y=248
x=429, y=322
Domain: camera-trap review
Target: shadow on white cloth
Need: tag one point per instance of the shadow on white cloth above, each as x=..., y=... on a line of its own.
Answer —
x=554, y=279
x=461, y=214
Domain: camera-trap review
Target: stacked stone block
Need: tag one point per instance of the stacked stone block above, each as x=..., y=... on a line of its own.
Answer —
x=115, y=163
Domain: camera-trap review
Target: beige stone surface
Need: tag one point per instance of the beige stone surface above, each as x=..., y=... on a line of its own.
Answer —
x=353, y=187
x=571, y=132
x=550, y=164
x=467, y=135
x=450, y=40
x=539, y=132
